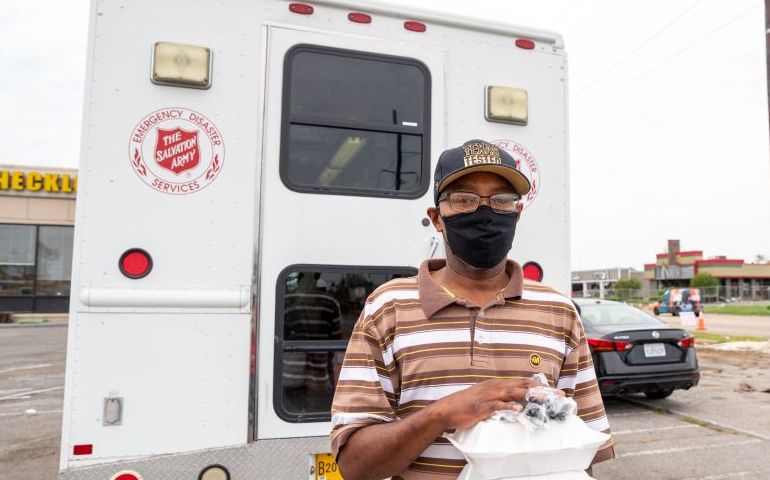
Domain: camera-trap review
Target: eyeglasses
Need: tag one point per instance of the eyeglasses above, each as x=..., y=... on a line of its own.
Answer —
x=467, y=202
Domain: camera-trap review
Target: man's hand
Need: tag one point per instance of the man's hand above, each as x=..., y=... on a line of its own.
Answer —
x=474, y=404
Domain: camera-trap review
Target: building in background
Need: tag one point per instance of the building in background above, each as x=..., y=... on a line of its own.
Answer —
x=601, y=283
x=37, y=214
x=737, y=279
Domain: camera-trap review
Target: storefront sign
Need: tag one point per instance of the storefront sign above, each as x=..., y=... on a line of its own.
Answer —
x=19, y=181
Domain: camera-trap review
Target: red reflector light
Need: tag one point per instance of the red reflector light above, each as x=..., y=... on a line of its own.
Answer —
x=687, y=342
x=359, y=17
x=533, y=271
x=83, y=449
x=525, y=44
x=135, y=263
x=301, y=8
x=415, y=26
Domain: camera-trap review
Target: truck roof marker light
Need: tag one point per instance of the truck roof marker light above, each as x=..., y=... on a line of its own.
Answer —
x=135, y=263
x=524, y=43
x=532, y=271
x=415, y=26
x=359, y=17
x=301, y=8
x=126, y=475
x=84, y=449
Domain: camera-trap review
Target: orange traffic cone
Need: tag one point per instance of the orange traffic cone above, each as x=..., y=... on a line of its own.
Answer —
x=701, y=321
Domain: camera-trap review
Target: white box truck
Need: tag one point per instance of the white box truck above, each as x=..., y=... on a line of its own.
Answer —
x=251, y=170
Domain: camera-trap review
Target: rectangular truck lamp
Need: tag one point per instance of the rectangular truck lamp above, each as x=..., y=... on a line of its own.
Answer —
x=506, y=105
x=181, y=65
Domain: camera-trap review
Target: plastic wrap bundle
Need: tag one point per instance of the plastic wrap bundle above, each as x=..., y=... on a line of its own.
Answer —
x=544, y=404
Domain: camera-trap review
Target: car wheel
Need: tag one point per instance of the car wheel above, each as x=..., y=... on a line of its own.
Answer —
x=675, y=311
x=656, y=310
x=658, y=394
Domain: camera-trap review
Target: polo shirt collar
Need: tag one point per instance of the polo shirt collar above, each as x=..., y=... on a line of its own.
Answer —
x=433, y=298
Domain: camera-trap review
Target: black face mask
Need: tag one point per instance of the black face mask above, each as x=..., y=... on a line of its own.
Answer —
x=481, y=238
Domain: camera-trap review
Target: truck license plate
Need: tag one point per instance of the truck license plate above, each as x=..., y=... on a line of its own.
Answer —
x=654, y=350
x=326, y=468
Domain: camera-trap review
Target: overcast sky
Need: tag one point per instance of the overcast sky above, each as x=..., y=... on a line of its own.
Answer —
x=668, y=114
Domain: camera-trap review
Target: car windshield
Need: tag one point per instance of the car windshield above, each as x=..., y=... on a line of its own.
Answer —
x=613, y=314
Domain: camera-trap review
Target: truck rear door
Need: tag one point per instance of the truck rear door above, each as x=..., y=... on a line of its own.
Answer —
x=350, y=125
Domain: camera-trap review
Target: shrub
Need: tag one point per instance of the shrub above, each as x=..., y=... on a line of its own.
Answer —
x=704, y=279
x=627, y=284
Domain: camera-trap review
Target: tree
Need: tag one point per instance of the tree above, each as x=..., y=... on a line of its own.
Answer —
x=627, y=284
x=704, y=279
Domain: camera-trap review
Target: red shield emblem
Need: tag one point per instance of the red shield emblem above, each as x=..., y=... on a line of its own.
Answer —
x=177, y=150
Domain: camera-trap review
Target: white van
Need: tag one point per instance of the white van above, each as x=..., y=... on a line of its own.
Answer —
x=250, y=172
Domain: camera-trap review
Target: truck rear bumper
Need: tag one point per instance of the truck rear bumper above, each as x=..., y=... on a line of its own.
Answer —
x=621, y=385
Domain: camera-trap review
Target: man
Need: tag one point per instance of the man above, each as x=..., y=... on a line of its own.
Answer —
x=447, y=348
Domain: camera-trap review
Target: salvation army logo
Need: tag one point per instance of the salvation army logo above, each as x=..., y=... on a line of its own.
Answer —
x=176, y=151
x=526, y=164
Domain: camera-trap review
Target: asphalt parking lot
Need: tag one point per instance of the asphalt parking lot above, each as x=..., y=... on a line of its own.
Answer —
x=718, y=430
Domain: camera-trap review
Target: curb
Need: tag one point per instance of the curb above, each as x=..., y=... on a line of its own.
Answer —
x=32, y=325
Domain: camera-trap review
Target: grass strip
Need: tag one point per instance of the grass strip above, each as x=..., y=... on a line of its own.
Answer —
x=712, y=337
x=739, y=309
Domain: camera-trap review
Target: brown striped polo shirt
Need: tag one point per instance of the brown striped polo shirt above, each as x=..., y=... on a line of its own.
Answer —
x=415, y=342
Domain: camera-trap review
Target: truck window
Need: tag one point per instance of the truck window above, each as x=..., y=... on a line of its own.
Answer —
x=355, y=123
x=316, y=309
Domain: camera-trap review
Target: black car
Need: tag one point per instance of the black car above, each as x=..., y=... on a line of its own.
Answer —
x=634, y=352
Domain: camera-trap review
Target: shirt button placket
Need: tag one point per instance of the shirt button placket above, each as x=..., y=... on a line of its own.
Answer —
x=478, y=357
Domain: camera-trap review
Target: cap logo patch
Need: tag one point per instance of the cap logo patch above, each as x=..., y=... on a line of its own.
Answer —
x=535, y=360
x=481, y=153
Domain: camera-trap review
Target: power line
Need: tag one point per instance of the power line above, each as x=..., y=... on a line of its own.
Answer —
x=615, y=45
x=687, y=47
x=566, y=12
x=638, y=47
x=689, y=87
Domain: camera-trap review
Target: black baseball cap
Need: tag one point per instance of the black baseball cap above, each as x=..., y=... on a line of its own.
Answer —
x=477, y=156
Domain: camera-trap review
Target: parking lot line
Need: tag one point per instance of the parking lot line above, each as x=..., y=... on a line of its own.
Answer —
x=26, y=367
x=664, y=451
x=723, y=476
x=22, y=395
x=704, y=421
x=656, y=429
x=635, y=413
x=20, y=414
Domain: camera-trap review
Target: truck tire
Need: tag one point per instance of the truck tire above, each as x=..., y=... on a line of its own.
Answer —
x=656, y=310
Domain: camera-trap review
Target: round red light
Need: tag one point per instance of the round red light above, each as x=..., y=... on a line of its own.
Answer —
x=525, y=44
x=415, y=26
x=126, y=475
x=359, y=17
x=532, y=271
x=301, y=8
x=135, y=263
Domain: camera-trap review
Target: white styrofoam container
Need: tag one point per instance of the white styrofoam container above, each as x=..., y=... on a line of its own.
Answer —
x=498, y=449
x=469, y=473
